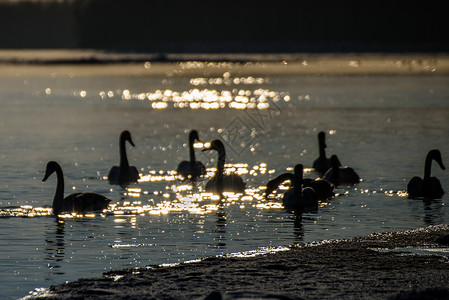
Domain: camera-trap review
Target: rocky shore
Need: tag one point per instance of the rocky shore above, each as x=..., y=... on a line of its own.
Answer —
x=379, y=266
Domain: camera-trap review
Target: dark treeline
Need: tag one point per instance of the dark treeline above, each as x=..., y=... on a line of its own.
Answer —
x=218, y=26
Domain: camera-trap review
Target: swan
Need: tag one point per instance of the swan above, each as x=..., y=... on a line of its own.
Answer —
x=340, y=175
x=192, y=168
x=324, y=189
x=429, y=186
x=77, y=202
x=123, y=174
x=297, y=196
x=221, y=182
x=322, y=163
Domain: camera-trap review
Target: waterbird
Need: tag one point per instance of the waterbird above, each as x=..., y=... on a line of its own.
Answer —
x=298, y=196
x=123, y=174
x=193, y=168
x=322, y=163
x=324, y=189
x=74, y=203
x=339, y=174
x=221, y=182
x=429, y=186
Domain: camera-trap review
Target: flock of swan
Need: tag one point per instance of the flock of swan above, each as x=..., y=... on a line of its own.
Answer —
x=303, y=192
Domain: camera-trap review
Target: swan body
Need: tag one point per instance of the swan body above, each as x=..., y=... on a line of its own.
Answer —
x=124, y=173
x=322, y=163
x=221, y=182
x=323, y=188
x=74, y=203
x=191, y=168
x=429, y=186
x=338, y=174
x=298, y=196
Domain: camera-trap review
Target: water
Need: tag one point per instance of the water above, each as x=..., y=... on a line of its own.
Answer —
x=382, y=126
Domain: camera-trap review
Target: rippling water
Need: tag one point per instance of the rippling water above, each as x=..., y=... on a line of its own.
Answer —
x=382, y=126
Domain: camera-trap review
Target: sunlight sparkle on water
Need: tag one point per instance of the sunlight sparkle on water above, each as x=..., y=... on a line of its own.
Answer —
x=200, y=98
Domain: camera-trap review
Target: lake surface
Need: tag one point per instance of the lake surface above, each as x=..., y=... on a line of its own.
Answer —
x=382, y=126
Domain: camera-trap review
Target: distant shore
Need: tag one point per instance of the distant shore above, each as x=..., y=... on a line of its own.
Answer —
x=84, y=63
x=358, y=268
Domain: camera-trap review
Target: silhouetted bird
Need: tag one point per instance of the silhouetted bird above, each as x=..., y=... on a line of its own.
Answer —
x=221, y=182
x=74, y=203
x=123, y=174
x=429, y=186
x=298, y=196
x=191, y=169
x=322, y=163
x=338, y=174
x=324, y=189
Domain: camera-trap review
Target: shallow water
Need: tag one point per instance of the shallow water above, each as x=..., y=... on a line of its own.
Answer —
x=382, y=126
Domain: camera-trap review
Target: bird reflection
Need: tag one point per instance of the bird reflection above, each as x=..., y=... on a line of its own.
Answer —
x=221, y=228
x=55, y=247
x=298, y=228
x=432, y=212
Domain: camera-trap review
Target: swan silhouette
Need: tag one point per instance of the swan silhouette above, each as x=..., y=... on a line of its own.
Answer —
x=298, y=196
x=123, y=174
x=220, y=182
x=77, y=202
x=322, y=163
x=429, y=186
x=324, y=189
x=192, y=168
x=338, y=174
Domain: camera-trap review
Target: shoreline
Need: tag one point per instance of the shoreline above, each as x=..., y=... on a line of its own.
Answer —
x=361, y=267
x=88, y=63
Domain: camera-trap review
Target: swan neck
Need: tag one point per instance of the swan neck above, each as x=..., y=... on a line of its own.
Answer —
x=59, y=195
x=428, y=166
x=322, y=148
x=297, y=185
x=221, y=162
x=123, y=158
x=192, y=150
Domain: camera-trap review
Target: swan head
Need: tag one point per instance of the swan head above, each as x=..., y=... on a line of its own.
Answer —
x=299, y=169
x=436, y=155
x=126, y=136
x=193, y=136
x=52, y=167
x=335, y=162
x=271, y=186
x=216, y=145
x=321, y=139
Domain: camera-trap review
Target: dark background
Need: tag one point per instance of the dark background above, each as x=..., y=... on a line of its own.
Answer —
x=223, y=26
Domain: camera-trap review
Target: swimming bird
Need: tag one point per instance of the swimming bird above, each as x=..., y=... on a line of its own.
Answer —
x=429, y=186
x=324, y=189
x=322, y=163
x=192, y=168
x=338, y=174
x=297, y=196
x=77, y=202
x=123, y=174
x=221, y=182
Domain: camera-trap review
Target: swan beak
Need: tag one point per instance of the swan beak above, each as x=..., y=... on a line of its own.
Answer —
x=45, y=177
x=441, y=165
x=131, y=142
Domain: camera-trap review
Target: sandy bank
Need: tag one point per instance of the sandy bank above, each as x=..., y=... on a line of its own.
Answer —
x=359, y=268
x=77, y=63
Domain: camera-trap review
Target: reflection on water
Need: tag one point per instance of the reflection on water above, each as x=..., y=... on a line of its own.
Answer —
x=201, y=98
x=380, y=125
x=55, y=247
